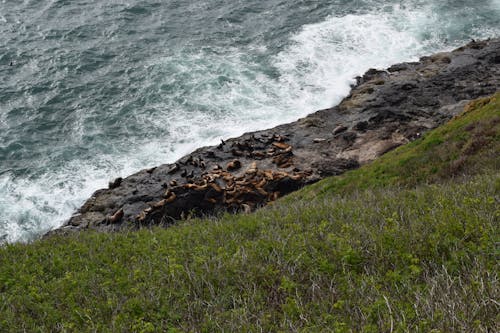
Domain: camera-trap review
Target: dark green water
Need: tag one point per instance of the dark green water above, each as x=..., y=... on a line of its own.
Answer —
x=99, y=89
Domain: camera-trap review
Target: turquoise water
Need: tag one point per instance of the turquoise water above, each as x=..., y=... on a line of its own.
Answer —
x=100, y=89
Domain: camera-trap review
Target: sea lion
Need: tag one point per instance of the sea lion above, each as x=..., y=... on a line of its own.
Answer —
x=236, y=152
x=229, y=179
x=244, y=146
x=159, y=204
x=174, y=169
x=141, y=217
x=246, y=208
x=251, y=171
x=170, y=196
x=339, y=129
x=221, y=145
x=233, y=165
x=268, y=174
x=241, y=183
x=281, y=145
x=279, y=138
x=115, y=183
x=282, y=159
x=216, y=187
x=258, y=155
x=196, y=187
x=285, y=165
x=231, y=191
x=262, y=191
x=116, y=217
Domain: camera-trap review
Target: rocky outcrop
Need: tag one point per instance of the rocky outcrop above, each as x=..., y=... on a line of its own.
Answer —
x=386, y=109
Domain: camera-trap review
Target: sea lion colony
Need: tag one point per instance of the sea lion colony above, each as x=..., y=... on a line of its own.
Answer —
x=236, y=186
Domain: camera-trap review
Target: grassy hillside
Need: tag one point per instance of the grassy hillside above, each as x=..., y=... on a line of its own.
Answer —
x=408, y=243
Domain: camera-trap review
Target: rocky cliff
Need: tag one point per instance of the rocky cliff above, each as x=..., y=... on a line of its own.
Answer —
x=386, y=109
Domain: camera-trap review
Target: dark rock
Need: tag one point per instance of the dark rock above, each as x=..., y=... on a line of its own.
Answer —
x=115, y=183
x=385, y=109
x=408, y=86
x=361, y=126
x=349, y=136
x=397, y=68
x=495, y=59
x=373, y=73
x=333, y=167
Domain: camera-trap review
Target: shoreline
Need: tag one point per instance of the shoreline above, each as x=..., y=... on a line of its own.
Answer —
x=386, y=109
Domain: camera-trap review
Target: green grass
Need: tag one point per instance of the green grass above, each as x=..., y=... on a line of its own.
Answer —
x=406, y=244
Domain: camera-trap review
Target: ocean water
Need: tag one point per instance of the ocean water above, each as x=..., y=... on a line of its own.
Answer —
x=91, y=90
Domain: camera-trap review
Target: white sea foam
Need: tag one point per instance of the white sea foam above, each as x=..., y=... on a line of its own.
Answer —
x=228, y=95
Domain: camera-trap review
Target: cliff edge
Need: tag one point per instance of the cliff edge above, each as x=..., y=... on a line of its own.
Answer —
x=386, y=109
